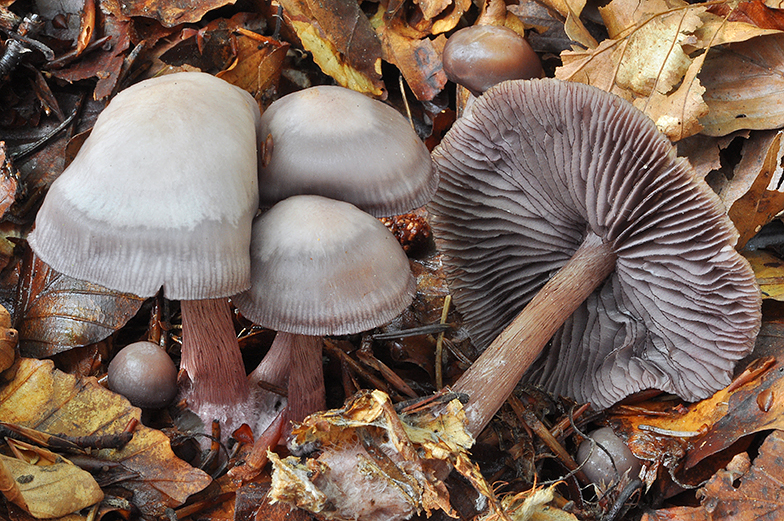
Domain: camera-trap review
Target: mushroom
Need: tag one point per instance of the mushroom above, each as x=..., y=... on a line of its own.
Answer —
x=321, y=267
x=481, y=56
x=605, y=458
x=163, y=194
x=338, y=143
x=564, y=214
x=145, y=374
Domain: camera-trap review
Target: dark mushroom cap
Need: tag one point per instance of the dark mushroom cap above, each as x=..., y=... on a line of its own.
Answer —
x=338, y=143
x=537, y=164
x=143, y=373
x=324, y=267
x=162, y=193
x=481, y=56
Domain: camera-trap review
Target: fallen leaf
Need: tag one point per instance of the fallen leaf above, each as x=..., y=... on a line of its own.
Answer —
x=48, y=491
x=103, y=65
x=168, y=13
x=707, y=427
x=258, y=64
x=367, y=446
x=743, y=83
x=55, y=313
x=46, y=399
x=742, y=492
x=656, y=57
x=341, y=39
x=769, y=271
x=764, y=199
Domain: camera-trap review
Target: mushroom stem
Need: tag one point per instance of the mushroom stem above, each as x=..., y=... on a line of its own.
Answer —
x=494, y=375
x=212, y=359
x=306, y=379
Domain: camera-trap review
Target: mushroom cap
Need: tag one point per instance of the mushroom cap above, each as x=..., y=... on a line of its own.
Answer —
x=324, y=267
x=604, y=468
x=144, y=374
x=533, y=168
x=162, y=193
x=481, y=56
x=338, y=143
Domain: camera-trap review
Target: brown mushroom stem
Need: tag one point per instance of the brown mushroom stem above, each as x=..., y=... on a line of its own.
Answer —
x=494, y=375
x=306, y=378
x=211, y=357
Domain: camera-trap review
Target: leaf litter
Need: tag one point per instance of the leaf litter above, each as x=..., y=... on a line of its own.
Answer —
x=707, y=73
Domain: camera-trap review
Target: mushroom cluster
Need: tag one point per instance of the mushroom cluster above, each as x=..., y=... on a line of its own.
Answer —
x=162, y=195
x=566, y=217
x=321, y=266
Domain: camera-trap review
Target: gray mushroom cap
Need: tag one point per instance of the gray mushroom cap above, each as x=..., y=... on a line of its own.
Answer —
x=338, y=143
x=324, y=267
x=162, y=193
x=533, y=168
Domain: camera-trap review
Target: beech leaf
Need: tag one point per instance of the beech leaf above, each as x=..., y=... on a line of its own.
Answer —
x=46, y=399
x=56, y=313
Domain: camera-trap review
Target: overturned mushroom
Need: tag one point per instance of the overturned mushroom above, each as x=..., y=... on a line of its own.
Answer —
x=163, y=194
x=338, y=143
x=321, y=267
x=563, y=213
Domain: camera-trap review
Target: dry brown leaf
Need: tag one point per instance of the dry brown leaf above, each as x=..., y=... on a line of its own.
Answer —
x=103, y=65
x=742, y=492
x=763, y=200
x=419, y=61
x=168, y=13
x=677, y=114
x=43, y=398
x=48, y=491
x=571, y=11
x=257, y=65
x=55, y=313
x=743, y=83
x=341, y=39
x=756, y=148
x=656, y=58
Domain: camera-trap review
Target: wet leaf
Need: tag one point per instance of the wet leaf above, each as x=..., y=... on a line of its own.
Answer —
x=48, y=400
x=742, y=492
x=705, y=428
x=56, y=313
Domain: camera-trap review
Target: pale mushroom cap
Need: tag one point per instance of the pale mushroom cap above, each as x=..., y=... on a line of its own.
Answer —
x=162, y=193
x=525, y=174
x=338, y=143
x=324, y=267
